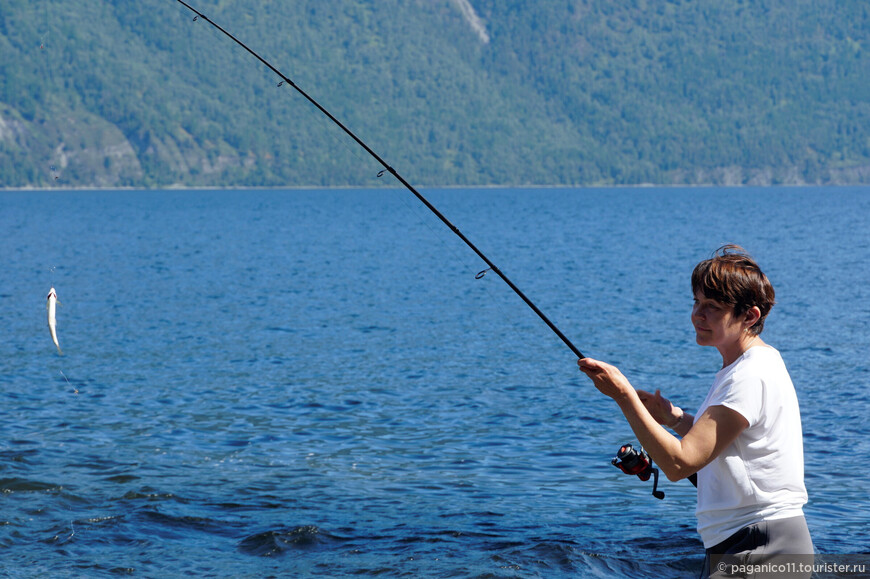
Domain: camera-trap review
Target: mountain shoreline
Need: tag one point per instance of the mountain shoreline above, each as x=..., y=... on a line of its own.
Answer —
x=468, y=93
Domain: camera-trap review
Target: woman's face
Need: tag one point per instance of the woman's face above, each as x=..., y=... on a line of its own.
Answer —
x=715, y=323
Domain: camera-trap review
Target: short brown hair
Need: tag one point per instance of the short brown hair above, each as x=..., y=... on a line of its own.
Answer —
x=732, y=277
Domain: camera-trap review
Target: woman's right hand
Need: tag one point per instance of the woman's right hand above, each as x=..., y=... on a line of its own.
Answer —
x=660, y=407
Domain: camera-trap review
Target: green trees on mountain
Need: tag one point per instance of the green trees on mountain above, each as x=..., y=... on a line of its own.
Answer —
x=569, y=92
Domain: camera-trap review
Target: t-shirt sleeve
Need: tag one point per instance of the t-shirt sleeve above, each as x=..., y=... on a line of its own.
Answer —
x=742, y=394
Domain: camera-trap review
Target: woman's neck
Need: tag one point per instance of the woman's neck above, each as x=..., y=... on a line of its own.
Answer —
x=733, y=351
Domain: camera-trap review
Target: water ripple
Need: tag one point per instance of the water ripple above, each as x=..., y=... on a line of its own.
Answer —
x=229, y=406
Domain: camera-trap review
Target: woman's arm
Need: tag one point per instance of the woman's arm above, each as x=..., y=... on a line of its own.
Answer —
x=666, y=413
x=716, y=428
x=683, y=424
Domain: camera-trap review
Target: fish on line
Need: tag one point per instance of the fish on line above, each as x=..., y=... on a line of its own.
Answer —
x=51, y=306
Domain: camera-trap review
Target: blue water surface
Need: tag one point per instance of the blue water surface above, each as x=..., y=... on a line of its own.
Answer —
x=301, y=383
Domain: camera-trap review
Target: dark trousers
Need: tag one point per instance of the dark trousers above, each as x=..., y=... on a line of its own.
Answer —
x=769, y=549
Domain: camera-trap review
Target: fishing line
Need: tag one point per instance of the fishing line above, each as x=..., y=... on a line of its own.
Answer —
x=75, y=390
x=329, y=130
x=43, y=37
x=388, y=169
x=46, y=53
x=464, y=262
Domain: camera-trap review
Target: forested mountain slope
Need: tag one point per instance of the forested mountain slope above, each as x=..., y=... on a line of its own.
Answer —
x=449, y=92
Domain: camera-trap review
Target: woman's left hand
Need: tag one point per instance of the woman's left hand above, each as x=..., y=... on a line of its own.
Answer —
x=607, y=378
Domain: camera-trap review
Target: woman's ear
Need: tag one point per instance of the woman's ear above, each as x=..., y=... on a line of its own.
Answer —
x=752, y=316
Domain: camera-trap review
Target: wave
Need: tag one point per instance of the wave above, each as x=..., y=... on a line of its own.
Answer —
x=277, y=542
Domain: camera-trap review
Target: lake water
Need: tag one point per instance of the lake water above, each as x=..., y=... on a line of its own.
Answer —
x=302, y=383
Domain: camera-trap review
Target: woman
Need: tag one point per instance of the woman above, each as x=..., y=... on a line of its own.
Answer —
x=745, y=441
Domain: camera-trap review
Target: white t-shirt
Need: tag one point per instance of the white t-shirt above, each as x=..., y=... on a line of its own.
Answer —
x=759, y=476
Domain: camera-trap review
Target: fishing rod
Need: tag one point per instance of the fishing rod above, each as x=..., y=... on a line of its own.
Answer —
x=490, y=265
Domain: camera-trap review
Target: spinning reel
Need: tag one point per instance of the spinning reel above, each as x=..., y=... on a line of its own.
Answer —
x=631, y=461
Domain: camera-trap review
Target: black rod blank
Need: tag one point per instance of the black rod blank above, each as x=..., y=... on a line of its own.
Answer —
x=395, y=174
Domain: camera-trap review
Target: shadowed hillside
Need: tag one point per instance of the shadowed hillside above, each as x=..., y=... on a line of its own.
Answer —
x=450, y=92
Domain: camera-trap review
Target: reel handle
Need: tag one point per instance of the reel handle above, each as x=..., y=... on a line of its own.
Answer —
x=634, y=462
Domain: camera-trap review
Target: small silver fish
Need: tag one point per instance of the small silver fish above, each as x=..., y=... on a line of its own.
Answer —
x=51, y=306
